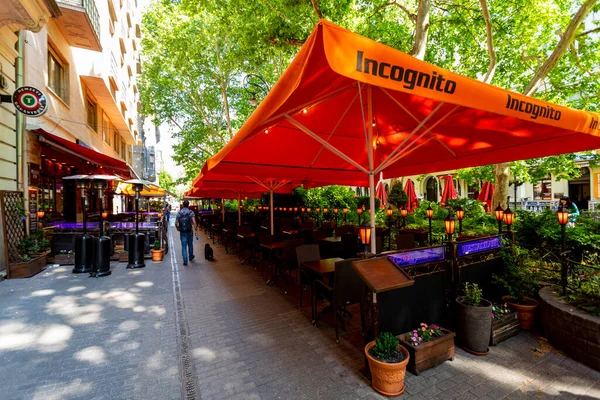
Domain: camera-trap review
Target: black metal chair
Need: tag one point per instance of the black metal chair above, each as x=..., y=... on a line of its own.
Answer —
x=349, y=245
x=305, y=253
x=289, y=261
x=346, y=290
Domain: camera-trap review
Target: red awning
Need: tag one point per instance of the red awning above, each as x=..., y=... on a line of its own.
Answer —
x=78, y=152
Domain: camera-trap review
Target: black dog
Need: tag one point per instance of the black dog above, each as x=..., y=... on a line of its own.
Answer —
x=208, y=252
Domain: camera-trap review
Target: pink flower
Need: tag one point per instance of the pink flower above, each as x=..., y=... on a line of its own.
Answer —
x=413, y=338
x=415, y=331
x=431, y=331
x=422, y=324
x=420, y=339
x=416, y=344
x=493, y=315
x=434, y=326
x=423, y=329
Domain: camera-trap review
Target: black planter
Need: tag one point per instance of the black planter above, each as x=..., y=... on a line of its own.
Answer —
x=474, y=326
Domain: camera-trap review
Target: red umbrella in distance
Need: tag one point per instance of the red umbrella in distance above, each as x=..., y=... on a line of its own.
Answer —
x=449, y=190
x=380, y=192
x=413, y=201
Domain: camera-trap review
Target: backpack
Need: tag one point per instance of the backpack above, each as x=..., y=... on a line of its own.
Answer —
x=185, y=222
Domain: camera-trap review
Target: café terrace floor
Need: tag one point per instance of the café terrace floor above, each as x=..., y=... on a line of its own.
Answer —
x=215, y=330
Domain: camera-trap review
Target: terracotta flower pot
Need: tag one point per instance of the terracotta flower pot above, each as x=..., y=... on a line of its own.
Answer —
x=526, y=311
x=387, y=378
x=157, y=255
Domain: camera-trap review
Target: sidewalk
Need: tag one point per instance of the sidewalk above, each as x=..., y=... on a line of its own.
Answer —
x=67, y=336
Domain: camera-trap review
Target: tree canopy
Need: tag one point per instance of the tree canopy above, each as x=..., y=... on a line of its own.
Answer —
x=197, y=52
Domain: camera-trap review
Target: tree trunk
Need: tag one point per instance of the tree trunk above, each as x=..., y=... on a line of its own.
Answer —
x=421, y=30
x=502, y=172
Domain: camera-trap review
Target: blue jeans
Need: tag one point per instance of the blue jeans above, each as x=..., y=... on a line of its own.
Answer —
x=187, y=244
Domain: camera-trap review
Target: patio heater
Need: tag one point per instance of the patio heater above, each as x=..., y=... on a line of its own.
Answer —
x=404, y=213
x=429, y=213
x=84, y=245
x=345, y=211
x=460, y=214
x=335, y=212
x=563, y=220
x=137, y=241
x=389, y=213
x=359, y=212
x=449, y=225
x=499, y=212
x=102, y=244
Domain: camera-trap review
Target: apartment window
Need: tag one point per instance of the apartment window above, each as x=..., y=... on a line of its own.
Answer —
x=105, y=129
x=116, y=141
x=57, y=73
x=91, y=112
x=123, y=154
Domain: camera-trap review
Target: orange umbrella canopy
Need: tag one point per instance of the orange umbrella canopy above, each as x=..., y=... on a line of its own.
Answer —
x=348, y=106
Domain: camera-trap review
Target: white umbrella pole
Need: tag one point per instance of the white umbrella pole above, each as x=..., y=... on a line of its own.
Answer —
x=372, y=207
x=239, y=209
x=271, y=212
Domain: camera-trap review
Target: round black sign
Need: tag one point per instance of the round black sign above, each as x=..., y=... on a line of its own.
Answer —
x=30, y=101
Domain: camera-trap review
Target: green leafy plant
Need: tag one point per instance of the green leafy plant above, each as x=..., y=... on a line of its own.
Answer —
x=386, y=345
x=33, y=245
x=397, y=196
x=522, y=272
x=156, y=245
x=473, y=294
x=500, y=310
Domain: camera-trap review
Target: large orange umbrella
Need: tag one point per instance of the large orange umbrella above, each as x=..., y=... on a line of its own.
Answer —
x=449, y=190
x=413, y=200
x=348, y=108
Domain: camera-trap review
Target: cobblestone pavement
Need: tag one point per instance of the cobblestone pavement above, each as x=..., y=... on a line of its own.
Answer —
x=65, y=336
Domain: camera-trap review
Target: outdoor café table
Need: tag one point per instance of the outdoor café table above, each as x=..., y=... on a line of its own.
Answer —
x=245, y=238
x=272, y=247
x=319, y=269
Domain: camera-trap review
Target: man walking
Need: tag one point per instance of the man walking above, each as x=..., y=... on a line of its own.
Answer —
x=185, y=222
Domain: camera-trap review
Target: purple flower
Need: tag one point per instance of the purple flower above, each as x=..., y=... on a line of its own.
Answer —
x=493, y=315
x=413, y=338
x=415, y=331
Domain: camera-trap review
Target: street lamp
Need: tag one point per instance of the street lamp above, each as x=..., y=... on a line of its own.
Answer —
x=403, y=213
x=40, y=214
x=335, y=212
x=389, y=213
x=449, y=225
x=460, y=214
x=255, y=85
x=429, y=213
x=318, y=210
x=365, y=235
x=508, y=218
x=359, y=212
x=345, y=211
x=563, y=220
x=499, y=211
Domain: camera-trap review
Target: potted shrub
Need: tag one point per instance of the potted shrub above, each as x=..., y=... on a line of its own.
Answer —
x=428, y=346
x=387, y=362
x=33, y=250
x=520, y=280
x=474, y=322
x=157, y=252
x=505, y=323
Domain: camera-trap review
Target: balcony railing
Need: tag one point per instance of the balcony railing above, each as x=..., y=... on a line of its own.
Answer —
x=114, y=69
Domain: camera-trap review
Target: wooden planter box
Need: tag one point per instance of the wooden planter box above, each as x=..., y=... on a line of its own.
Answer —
x=430, y=354
x=27, y=269
x=62, y=259
x=504, y=327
